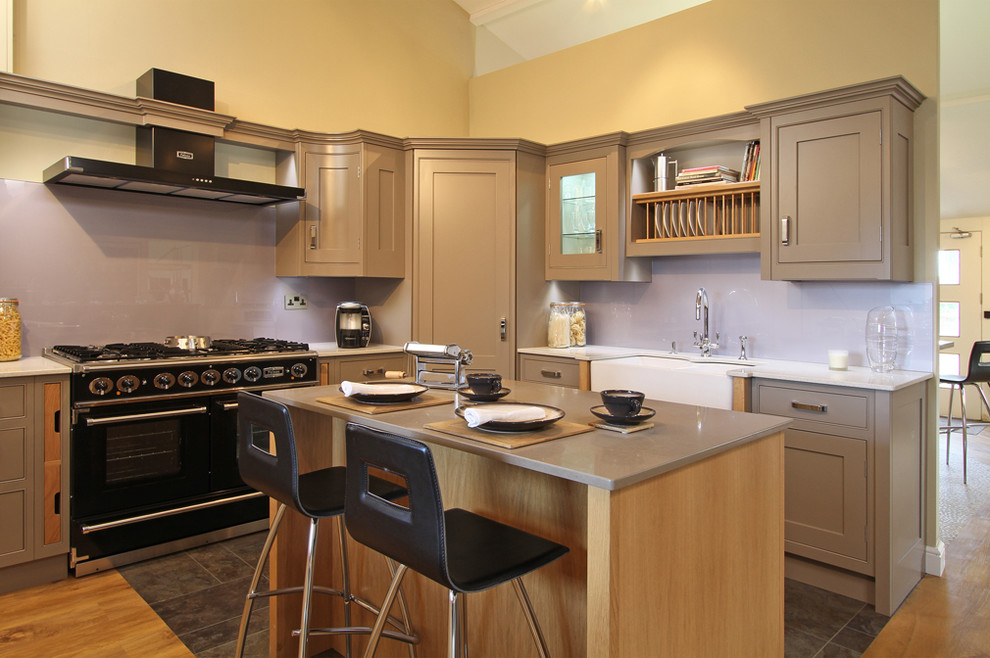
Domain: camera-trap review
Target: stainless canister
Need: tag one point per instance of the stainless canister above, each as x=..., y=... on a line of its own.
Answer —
x=664, y=173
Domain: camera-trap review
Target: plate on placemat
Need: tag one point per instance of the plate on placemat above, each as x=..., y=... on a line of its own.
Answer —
x=553, y=414
x=602, y=412
x=386, y=397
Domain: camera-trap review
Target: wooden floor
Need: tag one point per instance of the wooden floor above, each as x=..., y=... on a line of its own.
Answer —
x=99, y=615
x=949, y=616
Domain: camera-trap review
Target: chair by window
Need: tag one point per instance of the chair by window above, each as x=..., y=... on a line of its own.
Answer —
x=977, y=373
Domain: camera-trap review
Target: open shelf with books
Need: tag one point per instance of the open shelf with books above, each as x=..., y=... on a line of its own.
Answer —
x=694, y=188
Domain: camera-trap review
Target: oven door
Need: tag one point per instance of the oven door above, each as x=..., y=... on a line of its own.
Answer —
x=224, y=474
x=138, y=455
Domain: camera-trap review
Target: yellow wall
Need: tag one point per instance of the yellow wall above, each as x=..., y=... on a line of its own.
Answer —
x=712, y=59
x=391, y=66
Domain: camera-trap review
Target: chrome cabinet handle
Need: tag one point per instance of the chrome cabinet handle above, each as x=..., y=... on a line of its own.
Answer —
x=368, y=372
x=598, y=241
x=807, y=406
x=785, y=231
x=502, y=324
x=312, y=236
x=552, y=374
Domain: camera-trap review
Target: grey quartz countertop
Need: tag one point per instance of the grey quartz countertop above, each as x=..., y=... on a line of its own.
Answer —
x=796, y=371
x=681, y=434
x=30, y=366
x=330, y=349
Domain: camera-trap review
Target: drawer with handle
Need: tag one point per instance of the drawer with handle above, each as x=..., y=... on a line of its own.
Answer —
x=838, y=408
x=560, y=372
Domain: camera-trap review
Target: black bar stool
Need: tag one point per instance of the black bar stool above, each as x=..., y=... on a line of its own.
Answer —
x=316, y=495
x=461, y=550
x=978, y=372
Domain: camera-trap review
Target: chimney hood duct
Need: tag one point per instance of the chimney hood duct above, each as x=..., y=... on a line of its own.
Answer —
x=171, y=162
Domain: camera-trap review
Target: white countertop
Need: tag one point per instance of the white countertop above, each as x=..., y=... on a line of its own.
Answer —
x=331, y=349
x=795, y=371
x=29, y=366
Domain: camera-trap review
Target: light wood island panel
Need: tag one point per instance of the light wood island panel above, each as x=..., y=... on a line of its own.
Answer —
x=688, y=561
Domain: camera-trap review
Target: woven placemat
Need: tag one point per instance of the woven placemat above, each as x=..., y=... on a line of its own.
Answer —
x=423, y=400
x=458, y=427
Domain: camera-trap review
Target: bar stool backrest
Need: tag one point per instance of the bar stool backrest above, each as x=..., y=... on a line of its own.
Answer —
x=979, y=372
x=273, y=473
x=413, y=535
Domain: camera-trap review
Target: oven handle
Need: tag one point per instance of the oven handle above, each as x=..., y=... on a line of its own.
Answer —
x=96, y=527
x=228, y=406
x=151, y=414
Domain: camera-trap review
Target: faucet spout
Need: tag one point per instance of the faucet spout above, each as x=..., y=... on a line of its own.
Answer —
x=701, y=313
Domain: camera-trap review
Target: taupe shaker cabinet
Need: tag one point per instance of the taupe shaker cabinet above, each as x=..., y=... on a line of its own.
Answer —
x=360, y=368
x=352, y=221
x=838, y=180
x=854, y=477
x=34, y=533
x=586, y=212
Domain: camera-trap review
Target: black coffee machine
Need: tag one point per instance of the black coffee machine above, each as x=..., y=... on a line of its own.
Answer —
x=353, y=325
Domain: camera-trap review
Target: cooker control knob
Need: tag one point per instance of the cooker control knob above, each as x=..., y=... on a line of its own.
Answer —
x=188, y=378
x=100, y=386
x=299, y=370
x=210, y=377
x=128, y=384
x=164, y=380
x=252, y=373
x=232, y=375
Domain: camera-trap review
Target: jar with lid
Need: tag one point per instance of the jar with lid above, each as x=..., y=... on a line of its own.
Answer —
x=578, y=324
x=881, y=338
x=559, y=325
x=10, y=329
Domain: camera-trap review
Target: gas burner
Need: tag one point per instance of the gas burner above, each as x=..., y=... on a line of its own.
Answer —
x=149, y=351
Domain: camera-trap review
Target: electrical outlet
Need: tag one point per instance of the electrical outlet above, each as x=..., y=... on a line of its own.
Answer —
x=295, y=303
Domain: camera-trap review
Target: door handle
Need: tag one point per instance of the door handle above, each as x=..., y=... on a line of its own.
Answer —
x=312, y=236
x=598, y=241
x=785, y=231
x=807, y=406
x=502, y=329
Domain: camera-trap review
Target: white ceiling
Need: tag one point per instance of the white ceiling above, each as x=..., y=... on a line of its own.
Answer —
x=512, y=31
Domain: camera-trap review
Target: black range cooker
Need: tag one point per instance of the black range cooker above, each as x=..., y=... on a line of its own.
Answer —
x=153, y=442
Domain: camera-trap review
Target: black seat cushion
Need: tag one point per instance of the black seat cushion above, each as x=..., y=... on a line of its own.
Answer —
x=322, y=492
x=482, y=553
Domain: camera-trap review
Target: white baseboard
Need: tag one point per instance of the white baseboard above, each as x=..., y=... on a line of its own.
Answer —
x=935, y=559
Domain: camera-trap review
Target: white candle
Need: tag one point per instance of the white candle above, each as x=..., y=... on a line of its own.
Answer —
x=838, y=359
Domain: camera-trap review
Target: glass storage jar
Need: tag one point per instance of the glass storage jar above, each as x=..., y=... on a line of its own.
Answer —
x=578, y=324
x=559, y=325
x=881, y=338
x=10, y=329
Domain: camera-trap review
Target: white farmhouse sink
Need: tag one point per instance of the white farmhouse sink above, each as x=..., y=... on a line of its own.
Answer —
x=671, y=378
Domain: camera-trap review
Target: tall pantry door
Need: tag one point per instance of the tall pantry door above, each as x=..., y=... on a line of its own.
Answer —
x=464, y=254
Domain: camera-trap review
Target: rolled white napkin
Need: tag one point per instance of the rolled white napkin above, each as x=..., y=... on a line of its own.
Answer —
x=350, y=388
x=482, y=414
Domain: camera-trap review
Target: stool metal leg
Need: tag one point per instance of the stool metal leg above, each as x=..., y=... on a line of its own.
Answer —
x=308, y=587
x=376, y=632
x=258, y=570
x=345, y=587
x=534, y=625
x=948, y=422
x=962, y=401
x=456, y=626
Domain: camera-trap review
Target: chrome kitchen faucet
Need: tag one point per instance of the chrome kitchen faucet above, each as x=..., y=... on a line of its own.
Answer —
x=701, y=313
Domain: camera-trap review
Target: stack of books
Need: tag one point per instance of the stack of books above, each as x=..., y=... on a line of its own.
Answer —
x=707, y=174
x=751, y=162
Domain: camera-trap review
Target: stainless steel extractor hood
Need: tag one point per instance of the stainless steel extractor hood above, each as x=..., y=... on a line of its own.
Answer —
x=170, y=162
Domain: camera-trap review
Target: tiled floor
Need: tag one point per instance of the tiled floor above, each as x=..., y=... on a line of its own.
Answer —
x=200, y=593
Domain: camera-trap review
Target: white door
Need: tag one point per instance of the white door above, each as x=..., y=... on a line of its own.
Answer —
x=960, y=310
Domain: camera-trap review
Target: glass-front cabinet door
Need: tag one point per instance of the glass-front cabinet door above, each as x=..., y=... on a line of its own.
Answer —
x=577, y=211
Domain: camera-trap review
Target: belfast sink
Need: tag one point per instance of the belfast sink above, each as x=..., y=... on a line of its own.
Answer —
x=700, y=381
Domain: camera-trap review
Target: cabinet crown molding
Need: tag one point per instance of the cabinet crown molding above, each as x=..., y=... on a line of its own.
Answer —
x=895, y=86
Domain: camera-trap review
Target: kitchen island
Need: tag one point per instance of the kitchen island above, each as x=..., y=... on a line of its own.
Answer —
x=675, y=532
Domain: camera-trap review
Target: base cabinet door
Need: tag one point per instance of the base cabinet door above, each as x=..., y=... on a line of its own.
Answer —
x=17, y=474
x=826, y=503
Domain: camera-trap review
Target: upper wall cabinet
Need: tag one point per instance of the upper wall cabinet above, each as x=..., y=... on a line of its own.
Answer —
x=586, y=212
x=838, y=203
x=671, y=219
x=351, y=223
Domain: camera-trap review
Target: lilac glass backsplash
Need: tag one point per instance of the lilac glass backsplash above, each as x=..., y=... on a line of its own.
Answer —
x=783, y=320
x=96, y=266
